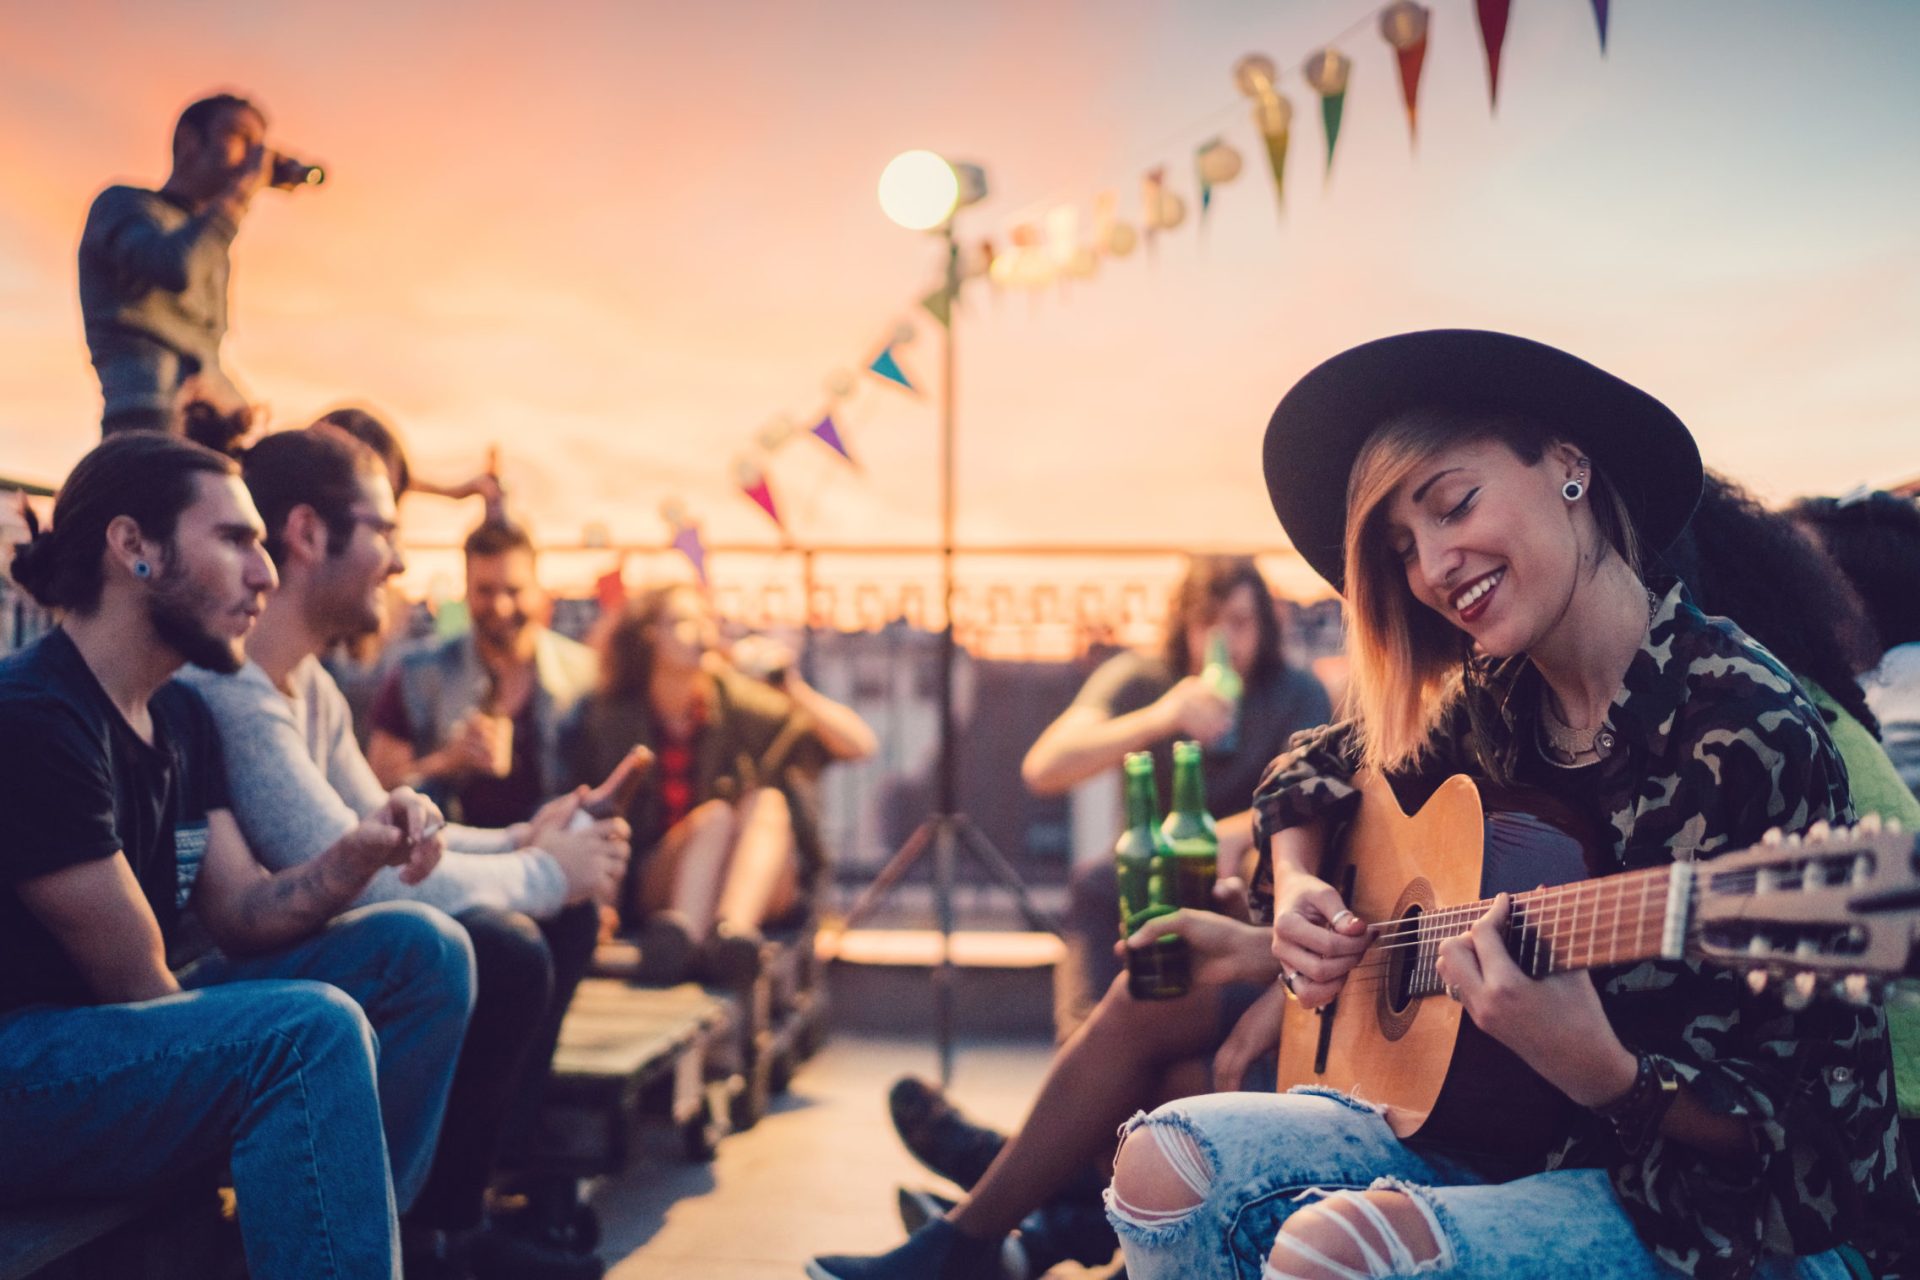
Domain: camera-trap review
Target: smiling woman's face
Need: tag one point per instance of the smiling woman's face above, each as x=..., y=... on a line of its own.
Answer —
x=1488, y=542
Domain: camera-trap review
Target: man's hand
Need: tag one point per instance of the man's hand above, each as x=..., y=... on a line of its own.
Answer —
x=1257, y=1033
x=1223, y=950
x=552, y=818
x=593, y=858
x=1193, y=709
x=468, y=751
x=404, y=832
x=1555, y=1024
x=1316, y=939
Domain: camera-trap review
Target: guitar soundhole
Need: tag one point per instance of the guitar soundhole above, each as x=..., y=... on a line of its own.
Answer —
x=1400, y=969
x=1398, y=1000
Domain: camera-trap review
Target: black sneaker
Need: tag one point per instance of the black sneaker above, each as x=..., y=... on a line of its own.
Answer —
x=937, y=1251
x=1047, y=1237
x=938, y=1135
x=497, y=1254
x=666, y=950
x=1063, y=1231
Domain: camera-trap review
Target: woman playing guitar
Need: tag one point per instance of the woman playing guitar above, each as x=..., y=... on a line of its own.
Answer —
x=1483, y=503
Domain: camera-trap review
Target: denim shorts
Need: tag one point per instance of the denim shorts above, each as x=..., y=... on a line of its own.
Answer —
x=1259, y=1158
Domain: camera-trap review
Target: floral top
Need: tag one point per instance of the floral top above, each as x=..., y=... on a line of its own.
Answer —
x=1712, y=744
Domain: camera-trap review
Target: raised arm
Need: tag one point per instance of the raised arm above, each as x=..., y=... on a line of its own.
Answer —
x=841, y=730
x=98, y=914
x=1087, y=739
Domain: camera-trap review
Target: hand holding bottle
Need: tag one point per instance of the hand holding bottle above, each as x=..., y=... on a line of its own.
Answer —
x=1193, y=708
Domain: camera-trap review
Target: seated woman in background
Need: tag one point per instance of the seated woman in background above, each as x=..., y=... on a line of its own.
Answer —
x=1774, y=581
x=1875, y=539
x=723, y=828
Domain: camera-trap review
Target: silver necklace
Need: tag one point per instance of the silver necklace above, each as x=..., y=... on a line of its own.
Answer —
x=1575, y=746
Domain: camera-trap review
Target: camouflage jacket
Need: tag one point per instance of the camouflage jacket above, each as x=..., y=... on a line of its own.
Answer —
x=1714, y=744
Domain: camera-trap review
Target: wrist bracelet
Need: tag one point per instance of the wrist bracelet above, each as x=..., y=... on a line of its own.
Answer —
x=1636, y=1114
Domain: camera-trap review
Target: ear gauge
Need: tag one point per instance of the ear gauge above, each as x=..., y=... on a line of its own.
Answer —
x=1572, y=490
x=141, y=569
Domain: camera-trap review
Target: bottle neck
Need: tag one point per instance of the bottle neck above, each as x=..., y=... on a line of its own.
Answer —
x=1141, y=801
x=1189, y=788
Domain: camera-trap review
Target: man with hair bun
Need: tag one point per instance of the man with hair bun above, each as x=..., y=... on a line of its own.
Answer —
x=166, y=1003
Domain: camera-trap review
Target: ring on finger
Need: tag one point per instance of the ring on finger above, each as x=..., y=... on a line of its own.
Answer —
x=1453, y=993
x=1287, y=978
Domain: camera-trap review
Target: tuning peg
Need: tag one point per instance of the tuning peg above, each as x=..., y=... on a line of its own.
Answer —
x=1799, y=991
x=1868, y=826
x=1818, y=833
x=1773, y=836
x=1757, y=980
x=1894, y=827
x=1857, y=988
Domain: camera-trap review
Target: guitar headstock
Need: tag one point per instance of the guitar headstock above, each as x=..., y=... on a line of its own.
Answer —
x=1836, y=906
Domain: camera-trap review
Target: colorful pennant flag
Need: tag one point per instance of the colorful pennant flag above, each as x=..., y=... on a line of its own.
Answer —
x=753, y=483
x=1254, y=75
x=829, y=435
x=1327, y=71
x=939, y=305
x=686, y=540
x=1600, y=16
x=1403, y=25
x=1493, y=34
x=889, y=368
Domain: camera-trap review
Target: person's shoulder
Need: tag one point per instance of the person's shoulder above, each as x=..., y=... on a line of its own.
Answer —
x=1722, y=663
x=577, y=663
x=43, y=682
x=122, y=199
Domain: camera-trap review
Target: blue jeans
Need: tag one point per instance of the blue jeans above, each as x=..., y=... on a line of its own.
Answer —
x=287, y=1065
x=1264, y=1156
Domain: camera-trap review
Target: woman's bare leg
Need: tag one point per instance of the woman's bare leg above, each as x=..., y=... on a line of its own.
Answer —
x=763, y=876
x=1112, y=1066
x=685, y=870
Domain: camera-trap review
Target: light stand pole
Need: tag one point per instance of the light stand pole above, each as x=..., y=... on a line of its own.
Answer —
x=947, y=830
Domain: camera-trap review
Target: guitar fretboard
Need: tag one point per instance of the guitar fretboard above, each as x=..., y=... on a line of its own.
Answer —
x=1588, y=924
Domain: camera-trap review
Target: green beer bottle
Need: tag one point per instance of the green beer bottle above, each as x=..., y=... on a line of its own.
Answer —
x=1162, y=970
x=1220, y=673
x=1189, y=832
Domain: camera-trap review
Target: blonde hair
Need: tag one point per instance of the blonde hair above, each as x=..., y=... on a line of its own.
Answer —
x=1406, y=661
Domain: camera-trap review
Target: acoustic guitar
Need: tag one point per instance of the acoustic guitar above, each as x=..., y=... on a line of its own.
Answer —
x=1837, y=911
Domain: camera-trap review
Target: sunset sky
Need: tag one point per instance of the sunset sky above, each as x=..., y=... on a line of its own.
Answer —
x=619, y=238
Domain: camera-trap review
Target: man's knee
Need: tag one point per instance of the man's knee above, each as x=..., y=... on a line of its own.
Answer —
x=512, y=963
x=319, y=1021
x=421, y=944
x=1355, y=1235
x=1161, y=1173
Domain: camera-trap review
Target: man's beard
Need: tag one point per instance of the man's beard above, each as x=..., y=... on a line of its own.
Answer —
x=170, y=609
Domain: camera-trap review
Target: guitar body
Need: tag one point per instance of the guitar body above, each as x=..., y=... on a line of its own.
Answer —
x=1439, y=1077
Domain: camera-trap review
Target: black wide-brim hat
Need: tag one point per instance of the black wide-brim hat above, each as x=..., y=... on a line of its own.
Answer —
x=1645, y=451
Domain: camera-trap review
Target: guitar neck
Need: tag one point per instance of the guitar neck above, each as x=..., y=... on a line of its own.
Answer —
x=1618, y=919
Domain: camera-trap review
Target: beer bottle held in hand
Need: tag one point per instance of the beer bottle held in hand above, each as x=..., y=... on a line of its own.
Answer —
x=1190, y=833
x=1224, y=678
x=1162, y=970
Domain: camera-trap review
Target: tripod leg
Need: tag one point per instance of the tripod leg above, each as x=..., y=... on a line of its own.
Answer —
x=898, y=865
x=945, y=838
x=1001, y=870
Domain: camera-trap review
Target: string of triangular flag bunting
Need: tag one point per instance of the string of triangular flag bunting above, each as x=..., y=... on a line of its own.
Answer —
x=1040, y=252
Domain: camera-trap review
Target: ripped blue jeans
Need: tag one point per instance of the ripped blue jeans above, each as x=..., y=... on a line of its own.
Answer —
x=1252, y=1160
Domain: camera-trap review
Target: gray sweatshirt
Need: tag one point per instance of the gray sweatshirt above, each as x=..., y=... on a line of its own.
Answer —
x=298, y=782
x=148, y=266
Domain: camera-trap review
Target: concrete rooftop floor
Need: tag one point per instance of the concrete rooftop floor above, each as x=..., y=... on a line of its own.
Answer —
x=817, y=1175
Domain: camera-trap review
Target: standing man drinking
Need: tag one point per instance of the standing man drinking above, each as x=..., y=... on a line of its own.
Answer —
x=153, y=277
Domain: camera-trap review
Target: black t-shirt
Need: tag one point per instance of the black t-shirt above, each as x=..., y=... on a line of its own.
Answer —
x=1271, y=711
x=77, y=784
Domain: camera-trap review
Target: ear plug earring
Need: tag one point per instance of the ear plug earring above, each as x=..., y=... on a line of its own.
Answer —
x=1572, y=490
x=141, y=569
